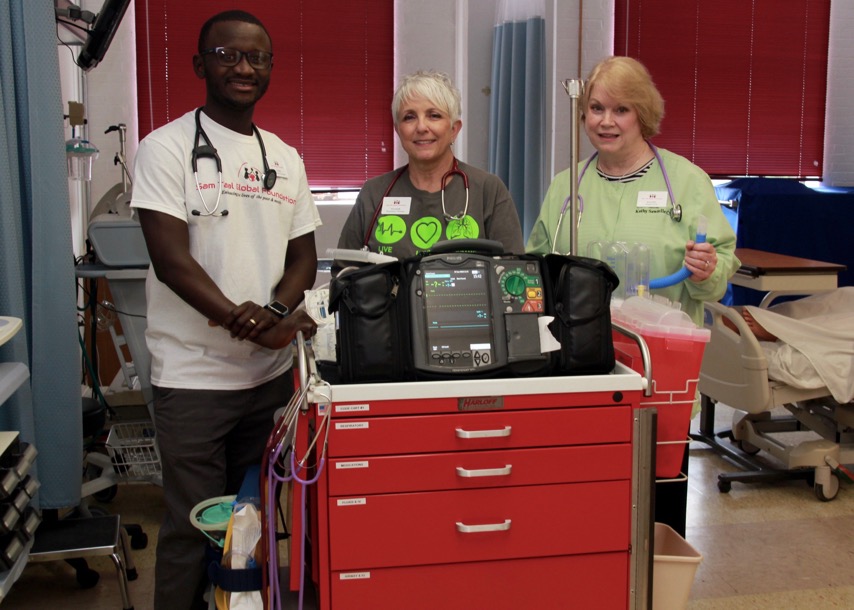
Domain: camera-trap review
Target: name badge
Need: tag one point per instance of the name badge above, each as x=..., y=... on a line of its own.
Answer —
x=397, y=205
x=652, y=199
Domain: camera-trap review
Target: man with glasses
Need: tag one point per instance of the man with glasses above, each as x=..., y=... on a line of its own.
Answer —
x=229, y=222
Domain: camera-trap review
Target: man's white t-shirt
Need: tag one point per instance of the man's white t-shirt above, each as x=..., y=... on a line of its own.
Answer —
x=243, y=251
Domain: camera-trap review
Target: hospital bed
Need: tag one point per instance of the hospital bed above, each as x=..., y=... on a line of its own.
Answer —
x=735, y=373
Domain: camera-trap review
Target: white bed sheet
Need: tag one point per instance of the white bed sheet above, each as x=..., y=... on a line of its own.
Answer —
x=816, y=342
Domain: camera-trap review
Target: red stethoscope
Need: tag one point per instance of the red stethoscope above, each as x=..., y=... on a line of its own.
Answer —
x=455, y=170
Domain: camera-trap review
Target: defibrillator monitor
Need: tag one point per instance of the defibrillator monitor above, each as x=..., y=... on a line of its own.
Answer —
x=475, y=314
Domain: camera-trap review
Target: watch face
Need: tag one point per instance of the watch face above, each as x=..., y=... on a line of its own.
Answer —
x=279, y=309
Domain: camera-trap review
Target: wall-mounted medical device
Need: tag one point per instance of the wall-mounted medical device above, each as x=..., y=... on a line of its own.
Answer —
x=103, y=28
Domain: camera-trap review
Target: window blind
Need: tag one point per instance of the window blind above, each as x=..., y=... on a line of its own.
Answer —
x=330, y=90
x=744, y=81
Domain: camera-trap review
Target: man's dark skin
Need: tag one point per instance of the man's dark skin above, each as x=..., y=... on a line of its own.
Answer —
x=231, y=96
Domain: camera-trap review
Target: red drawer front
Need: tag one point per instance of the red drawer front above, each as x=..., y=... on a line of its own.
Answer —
x=506, y=402
x=549, y=583
x=424, y=528
x=472, y=431
x=476, y=469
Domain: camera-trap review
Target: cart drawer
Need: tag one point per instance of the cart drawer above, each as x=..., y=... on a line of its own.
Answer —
x=479, y=524
x=474, y=431
x=476, y=469
x=549, y=583
x=491, y=399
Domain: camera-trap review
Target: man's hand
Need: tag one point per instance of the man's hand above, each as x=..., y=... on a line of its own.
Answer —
x=247, y=321
x=251, y=321
x=285, y=330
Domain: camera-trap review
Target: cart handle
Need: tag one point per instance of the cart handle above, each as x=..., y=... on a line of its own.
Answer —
x=486, y=527
x=505, y=431
x=645, y=357
x=302, y=360
x=485, y=472
x=305, y=364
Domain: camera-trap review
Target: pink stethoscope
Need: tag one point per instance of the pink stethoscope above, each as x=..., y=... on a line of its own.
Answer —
x=455, y=170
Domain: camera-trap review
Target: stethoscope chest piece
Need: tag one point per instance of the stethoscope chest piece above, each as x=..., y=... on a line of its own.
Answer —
x=270, y=177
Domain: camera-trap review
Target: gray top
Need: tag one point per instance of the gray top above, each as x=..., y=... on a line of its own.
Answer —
x=411, y=221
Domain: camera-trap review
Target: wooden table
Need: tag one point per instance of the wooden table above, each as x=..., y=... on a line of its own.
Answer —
x=780, y=274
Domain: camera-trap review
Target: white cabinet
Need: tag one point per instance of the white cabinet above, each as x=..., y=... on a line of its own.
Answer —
x=18, y=520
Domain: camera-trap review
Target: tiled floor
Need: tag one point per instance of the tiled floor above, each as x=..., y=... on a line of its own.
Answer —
x=767, y=545
x=771, y=546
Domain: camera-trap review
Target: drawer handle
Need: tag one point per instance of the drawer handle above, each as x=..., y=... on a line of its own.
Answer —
x=483, y=433
x=486, y=527
x=485, y=472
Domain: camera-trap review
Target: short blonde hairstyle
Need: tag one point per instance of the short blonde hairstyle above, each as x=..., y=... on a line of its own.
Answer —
x=436, y=87
x=627, y=80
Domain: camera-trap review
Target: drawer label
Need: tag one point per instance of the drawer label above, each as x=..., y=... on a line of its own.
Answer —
x=352, y=502
x=356, y=425
x=480, y=403
x=349, y=465
x=354, y=575
x=352, y=408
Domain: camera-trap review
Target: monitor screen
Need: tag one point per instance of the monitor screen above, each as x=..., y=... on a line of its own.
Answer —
x=101, y=34
x=458, y=316
x=475, y=315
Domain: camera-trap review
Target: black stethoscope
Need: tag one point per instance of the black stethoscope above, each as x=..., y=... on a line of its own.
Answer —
x=454, y=171
x=207, y=151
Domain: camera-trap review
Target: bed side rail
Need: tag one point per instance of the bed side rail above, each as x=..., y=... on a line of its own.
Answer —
x=734, y=370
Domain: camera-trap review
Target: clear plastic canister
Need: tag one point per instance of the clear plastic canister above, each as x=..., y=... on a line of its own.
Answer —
x=614, y=253
x=80, y=153
x=637, y=271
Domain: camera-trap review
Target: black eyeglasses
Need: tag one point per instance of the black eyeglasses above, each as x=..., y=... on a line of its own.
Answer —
x=260, y=60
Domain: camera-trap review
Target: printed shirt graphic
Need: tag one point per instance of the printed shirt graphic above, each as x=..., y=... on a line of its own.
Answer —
x=423, y=232
x=490, y=214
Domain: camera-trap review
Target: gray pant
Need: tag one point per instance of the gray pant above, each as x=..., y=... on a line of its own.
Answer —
x=207, y=440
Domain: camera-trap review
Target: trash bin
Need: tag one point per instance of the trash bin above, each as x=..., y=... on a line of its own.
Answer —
x=674, y=565
x=676, y=349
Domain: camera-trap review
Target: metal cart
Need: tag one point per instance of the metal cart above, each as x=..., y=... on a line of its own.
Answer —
x=500, y=493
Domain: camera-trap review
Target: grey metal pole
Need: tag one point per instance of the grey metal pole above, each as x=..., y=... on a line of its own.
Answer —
x=574, y=89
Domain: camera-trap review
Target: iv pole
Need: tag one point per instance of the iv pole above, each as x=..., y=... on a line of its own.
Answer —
x=574, y=88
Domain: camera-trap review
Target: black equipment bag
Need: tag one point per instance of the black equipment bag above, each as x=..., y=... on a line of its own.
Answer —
x=372, y=340
x=578, y=295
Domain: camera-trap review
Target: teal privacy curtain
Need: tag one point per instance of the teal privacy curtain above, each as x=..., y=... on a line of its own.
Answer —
x=517, y=112
x=37, y=281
